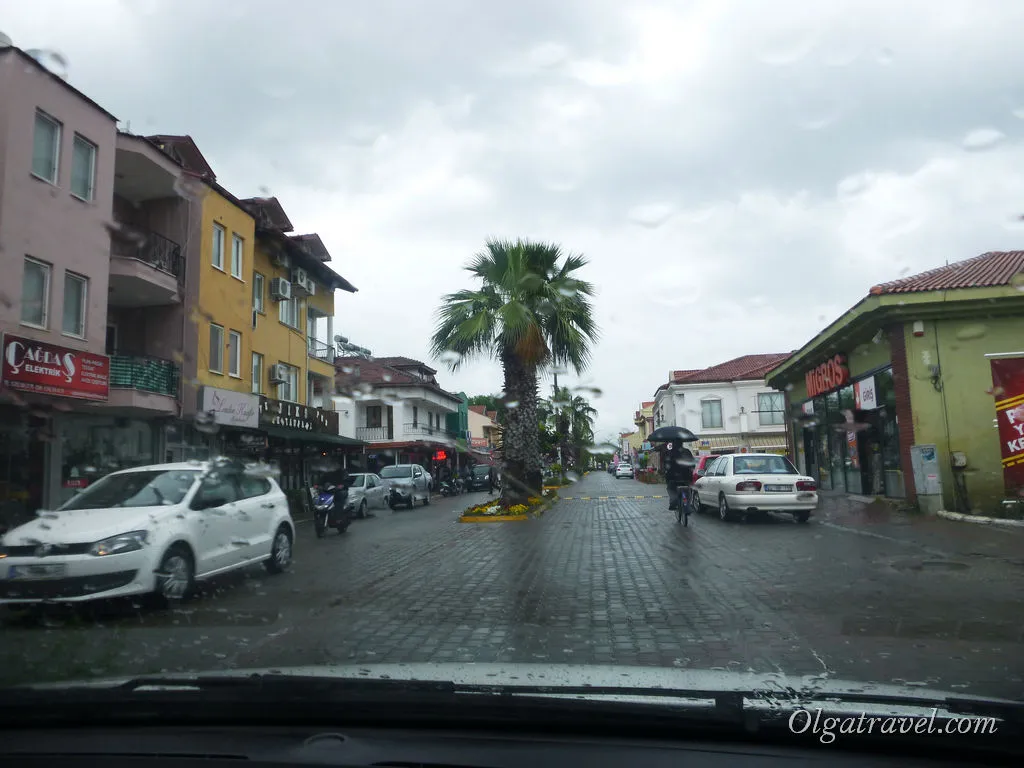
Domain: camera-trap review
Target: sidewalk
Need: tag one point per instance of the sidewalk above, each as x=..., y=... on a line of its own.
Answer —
x=929, y=533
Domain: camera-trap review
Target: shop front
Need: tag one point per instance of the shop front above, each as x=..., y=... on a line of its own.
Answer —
x=846, y=433
x=59, y=431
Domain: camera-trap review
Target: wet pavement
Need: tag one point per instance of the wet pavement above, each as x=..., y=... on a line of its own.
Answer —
x=862, y=592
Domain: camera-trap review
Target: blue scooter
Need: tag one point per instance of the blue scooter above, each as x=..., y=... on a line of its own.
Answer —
x=326, y=513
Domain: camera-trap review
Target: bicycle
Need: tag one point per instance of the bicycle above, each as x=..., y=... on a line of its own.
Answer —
x=684, y=505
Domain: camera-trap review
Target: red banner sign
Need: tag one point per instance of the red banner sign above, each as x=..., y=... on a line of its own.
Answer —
x=1008, y=390
x=46, y=369
x=827, y=376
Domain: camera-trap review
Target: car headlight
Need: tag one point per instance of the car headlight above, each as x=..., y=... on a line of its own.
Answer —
x=118, y=545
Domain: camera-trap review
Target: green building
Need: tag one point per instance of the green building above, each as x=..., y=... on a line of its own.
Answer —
x=896, y=397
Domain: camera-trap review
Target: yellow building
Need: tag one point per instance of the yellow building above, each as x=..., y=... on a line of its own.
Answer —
x=292, y=306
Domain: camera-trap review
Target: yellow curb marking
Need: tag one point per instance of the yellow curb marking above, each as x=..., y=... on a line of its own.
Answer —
x=492, y=518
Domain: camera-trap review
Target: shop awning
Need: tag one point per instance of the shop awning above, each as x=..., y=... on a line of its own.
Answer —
x=717, y=443
x=311, y=437
x=766, y=442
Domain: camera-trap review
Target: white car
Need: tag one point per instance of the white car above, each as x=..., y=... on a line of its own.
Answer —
x=154, y=529
x=407, y=484
x=624, y=470
x=742, y=484
x=366, y=491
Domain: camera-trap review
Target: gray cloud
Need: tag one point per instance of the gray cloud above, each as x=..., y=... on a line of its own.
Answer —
x=739, y=173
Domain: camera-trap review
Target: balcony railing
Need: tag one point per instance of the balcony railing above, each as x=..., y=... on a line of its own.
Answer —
x=147, y=374
x=422, y=430
x=156, y=250
x=321, y=351
x=374, y=433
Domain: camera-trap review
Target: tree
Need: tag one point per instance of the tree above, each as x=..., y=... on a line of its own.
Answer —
x=491, y=402
x=528, y=311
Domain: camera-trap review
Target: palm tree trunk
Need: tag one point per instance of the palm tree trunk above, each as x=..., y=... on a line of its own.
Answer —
x=521, y=438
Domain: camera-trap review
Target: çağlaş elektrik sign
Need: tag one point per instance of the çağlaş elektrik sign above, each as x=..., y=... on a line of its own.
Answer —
x=827, y=376
x=46, y=369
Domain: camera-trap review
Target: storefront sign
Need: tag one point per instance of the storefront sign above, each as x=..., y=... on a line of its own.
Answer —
x=478, y=442
x=1008, y=389
x=278, y=413
x=46, y=369
x=232, y=409
x=864, y=396
x=808, y=408
x=827, y=376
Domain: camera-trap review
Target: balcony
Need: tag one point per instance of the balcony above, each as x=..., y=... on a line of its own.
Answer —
x=144, y=383
x=321, y=350
x=375, y=434
x=418, y=431
x=146, y=268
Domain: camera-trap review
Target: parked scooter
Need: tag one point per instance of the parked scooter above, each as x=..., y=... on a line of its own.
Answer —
x=450, y=488
x=326, y=513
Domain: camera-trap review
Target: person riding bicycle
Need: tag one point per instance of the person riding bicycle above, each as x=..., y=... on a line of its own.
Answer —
x=678, y=474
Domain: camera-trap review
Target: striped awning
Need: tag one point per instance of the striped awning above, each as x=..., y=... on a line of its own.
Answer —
x=736, y=443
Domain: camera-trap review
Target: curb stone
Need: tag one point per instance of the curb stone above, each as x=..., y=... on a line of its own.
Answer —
x=980, y=519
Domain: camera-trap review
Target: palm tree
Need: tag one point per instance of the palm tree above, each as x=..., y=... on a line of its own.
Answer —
x=529, y=311
x=573, y=416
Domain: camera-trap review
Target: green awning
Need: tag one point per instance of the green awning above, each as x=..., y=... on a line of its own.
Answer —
x=311, y=437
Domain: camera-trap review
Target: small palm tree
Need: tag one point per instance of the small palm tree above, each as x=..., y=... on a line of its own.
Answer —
x=528, y=311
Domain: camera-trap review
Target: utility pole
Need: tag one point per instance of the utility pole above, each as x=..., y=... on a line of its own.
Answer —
x=558, y=423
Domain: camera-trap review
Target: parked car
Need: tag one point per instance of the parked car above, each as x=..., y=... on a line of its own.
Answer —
x=154, y=529
x=741, y=484
x=702, y=465
x=624, y=470
x=366, y=491
x=477, y=478
x=407, y=484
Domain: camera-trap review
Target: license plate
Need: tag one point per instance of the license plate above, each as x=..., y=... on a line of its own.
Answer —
x=778, y=488
x=36, y=572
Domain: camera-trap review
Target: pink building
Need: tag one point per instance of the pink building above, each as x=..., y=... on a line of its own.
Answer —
x=92, y=231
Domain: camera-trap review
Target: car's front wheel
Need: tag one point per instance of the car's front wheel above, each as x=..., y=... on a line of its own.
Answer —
x=280, y=551
x=176, y=574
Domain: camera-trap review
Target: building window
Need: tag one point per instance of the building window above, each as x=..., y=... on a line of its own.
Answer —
x=711, y=414
x=770, y=409
x=219, y=235
x=46, y=148
x=76, y=291
x=288, y=390
x=288, y=312
x=415, y=416
x=35, y=293
x=257, y=291
x=237, y=254
x=374, y=416
x=234, y=354
x=83, y=169
x=257, y=373
x=216, y=348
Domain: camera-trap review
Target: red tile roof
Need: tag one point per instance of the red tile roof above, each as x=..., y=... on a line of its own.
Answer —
x=987, y=270
x=378, y=372
x=675, y=376
x=745, y=368
x=646, y=404
x=481, y=409
x=404, y=362
x=185, y=151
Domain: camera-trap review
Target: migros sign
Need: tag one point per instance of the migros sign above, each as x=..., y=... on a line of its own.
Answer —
x=829, y=375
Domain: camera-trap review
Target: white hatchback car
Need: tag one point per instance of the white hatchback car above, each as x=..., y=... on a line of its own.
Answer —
x=741, y=484
x=153, y=529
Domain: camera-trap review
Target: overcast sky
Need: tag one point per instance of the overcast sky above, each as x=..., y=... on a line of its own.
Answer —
x=738, y=173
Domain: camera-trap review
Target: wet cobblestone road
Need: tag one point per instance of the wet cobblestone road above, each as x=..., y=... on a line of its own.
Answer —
x=859, y=593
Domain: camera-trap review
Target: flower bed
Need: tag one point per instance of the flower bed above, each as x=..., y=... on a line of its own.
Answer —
x=495, y=512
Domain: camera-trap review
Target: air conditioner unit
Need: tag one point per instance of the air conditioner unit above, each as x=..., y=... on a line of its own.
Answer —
x=281, y=260
x=300, y=281
x=280, y=289
x=278, y=373
x=310, y=287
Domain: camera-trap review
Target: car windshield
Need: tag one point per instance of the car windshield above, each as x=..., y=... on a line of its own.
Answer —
x=763, y=465
x=500, y=275
x=140, y=488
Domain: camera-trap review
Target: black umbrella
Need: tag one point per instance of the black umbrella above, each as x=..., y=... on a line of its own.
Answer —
x=671, y=435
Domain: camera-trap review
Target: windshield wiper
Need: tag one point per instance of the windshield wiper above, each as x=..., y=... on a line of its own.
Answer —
x=728, y=703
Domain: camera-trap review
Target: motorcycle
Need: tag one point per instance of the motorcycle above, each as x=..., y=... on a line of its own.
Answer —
x=326, y=513
x=450, y=487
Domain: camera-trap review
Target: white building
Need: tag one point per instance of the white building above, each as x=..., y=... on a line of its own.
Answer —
x=396, y=405
x=728, y=406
